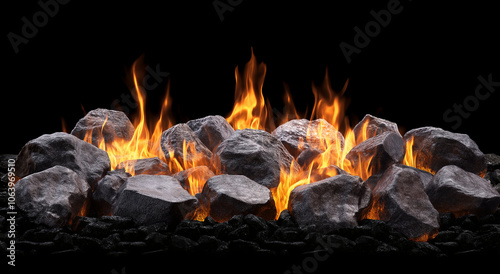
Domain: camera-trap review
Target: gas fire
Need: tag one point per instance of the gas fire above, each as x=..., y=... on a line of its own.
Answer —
x=251, y=110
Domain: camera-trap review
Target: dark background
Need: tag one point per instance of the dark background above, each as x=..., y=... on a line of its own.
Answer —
x=427, y=59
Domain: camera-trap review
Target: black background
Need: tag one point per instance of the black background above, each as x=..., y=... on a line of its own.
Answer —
x=427, y=59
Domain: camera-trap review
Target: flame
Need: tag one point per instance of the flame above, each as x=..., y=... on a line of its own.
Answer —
x=250, y=109
x=411, y=157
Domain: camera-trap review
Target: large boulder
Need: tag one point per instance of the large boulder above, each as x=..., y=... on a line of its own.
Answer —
x=104, y=125
x=211, y=130
x=150, y=199
x=300, y=134
x=434, y=148
x=460, y=192
x=48, y=150
x=53, y=197
x=106, y=191
x=254, y=153
x=329, y=204
x=181, y=138
x=400, y=200
x=224, y=196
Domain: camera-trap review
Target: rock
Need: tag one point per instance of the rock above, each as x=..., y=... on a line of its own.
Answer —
x=330, y=203
x=255, y=154
x=148, y=166
x=300, y=134
x=180, y=138
x=106, y=191
x=52, y=197
x=460, y=192
x=307, y=157
x=150, y=199
x=104, y=125
x=224, y=196
x=378, y=152
x=434, y=148
x=492, y=161
x=400, y=200
x=211, y=130
x=48, y=150
x=371, y=126
x=193, y=179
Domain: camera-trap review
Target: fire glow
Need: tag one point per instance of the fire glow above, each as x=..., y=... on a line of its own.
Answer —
x=251, y=110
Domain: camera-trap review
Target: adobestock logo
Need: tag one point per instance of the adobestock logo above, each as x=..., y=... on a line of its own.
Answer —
x=31, y=26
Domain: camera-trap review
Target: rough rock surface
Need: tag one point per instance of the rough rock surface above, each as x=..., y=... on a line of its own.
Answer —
x=211, y=130
x=371, y=126
x=329, y=204
x=199, y=173
x=148, y=166
x=52, y=197
x=224, y=196
x=48, y=150
x=173, y=139
x=117, y=126
x=435, y=148
x=107, y=188
x=255, y=154
x=150, y=199
x=300, y=134
x=400, y=200
x=460, y=192
x=381, y=151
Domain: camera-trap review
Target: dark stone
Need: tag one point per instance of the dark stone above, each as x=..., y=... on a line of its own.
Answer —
x=97, y=229
x=148, y=166
x=211, y=130
x=227, y=195
x=308, y=157
x=400, y=200
x=183, y=244
x=378, y=152
x=118, y=222
x=157, y=240
x=180, y=138
x=255, y=222
x=104, y=125
x=372, y=126
x=434, y=148
x=243, y=246
x=460, y=192
x=492, y=161
x=88, y=161
x=52, y=197
x=330, y=203
x=301, y=134
x=255, y=154
x=209, y=244
x=150, y=199
x=106, y=191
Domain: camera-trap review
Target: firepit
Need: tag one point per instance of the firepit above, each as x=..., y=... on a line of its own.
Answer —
x=305, y=191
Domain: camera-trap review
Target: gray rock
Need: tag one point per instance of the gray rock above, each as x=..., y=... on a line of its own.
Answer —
x=148, y=166
x=460, y=192
x=492, y=161
x=52, y=197
x=211, y=130
x=224, y=196
x=107, y=189
x=200, y=174
x=150, y=199
x=381, y=151
x=371, y=126
x=117, y=126
x=300, y=134
x=255, y=154
x=330, y=203
x=173, y=139
x=435, y=148
x=400, y=200
x=48, y=150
